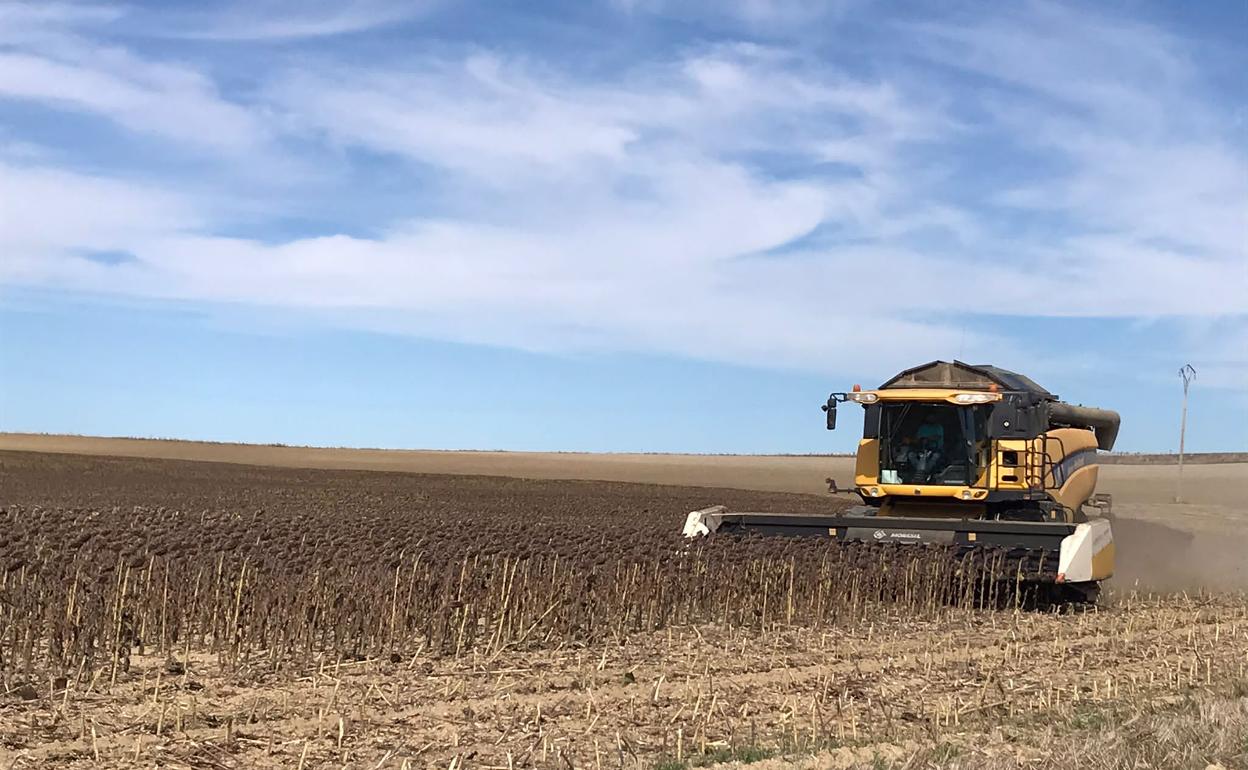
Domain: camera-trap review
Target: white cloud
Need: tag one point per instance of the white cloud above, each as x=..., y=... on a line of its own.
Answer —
x=650, y=279
x=47, y=55
x=737, y=202
x=166, y=101
x=486, y=114
x=1074, y=57
x=1143, y=165
x=45, y=213
x=464, y=116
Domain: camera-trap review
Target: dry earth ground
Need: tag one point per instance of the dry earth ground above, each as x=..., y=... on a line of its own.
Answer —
x=1142, y=681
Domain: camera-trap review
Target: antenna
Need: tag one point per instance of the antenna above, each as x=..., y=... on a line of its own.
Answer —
x=1188, y=374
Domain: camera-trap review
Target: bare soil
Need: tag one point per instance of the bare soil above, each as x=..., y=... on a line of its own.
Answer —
x=1164, y=545
x=1145, y=679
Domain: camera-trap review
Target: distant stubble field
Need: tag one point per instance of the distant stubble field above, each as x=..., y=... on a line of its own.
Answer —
x=190, y=614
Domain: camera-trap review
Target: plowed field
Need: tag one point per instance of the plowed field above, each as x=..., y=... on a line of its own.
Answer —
x=182, y=614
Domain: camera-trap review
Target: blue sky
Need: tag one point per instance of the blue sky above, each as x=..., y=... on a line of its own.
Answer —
x=629, y=225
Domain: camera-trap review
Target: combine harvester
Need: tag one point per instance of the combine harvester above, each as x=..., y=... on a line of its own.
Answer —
x=969, y=457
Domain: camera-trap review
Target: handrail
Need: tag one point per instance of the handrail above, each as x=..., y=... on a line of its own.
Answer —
x=1047, y=469
x=1039, y=465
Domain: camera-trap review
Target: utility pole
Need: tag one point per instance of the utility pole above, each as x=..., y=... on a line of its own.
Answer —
x=1188, y=374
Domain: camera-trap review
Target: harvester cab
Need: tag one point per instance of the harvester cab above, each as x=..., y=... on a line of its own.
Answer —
x=968, y=457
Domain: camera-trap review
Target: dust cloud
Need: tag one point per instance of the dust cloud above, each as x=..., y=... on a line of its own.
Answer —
x=1156, y=557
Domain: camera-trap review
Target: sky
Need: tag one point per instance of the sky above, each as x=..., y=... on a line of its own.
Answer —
x=626, y=225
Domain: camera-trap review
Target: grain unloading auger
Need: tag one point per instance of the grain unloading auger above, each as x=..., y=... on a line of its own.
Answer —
x=967, y=458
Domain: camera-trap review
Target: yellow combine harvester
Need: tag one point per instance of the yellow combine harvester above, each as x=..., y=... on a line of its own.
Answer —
x=969, y=457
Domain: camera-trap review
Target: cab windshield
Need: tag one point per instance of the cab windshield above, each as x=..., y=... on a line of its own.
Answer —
x=936, y=444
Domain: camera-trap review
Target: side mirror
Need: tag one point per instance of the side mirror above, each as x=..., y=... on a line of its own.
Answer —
x=830, y=408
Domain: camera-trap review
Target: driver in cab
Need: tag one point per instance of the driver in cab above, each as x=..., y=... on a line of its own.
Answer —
x=928, y=458
x=931, y=434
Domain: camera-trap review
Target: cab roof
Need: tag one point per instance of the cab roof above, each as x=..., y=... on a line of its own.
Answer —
x=956, y=375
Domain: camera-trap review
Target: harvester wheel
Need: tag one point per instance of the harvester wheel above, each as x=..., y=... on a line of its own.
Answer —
x=1078, y=593
x=1064, y=596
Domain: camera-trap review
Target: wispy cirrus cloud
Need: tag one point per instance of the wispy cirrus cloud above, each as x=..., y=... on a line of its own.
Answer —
x=277, y=21
x=25, y=19
x=768, y=15
x=731, y=200
x=1138, y=145
x=49, y=56
x=166, y=101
